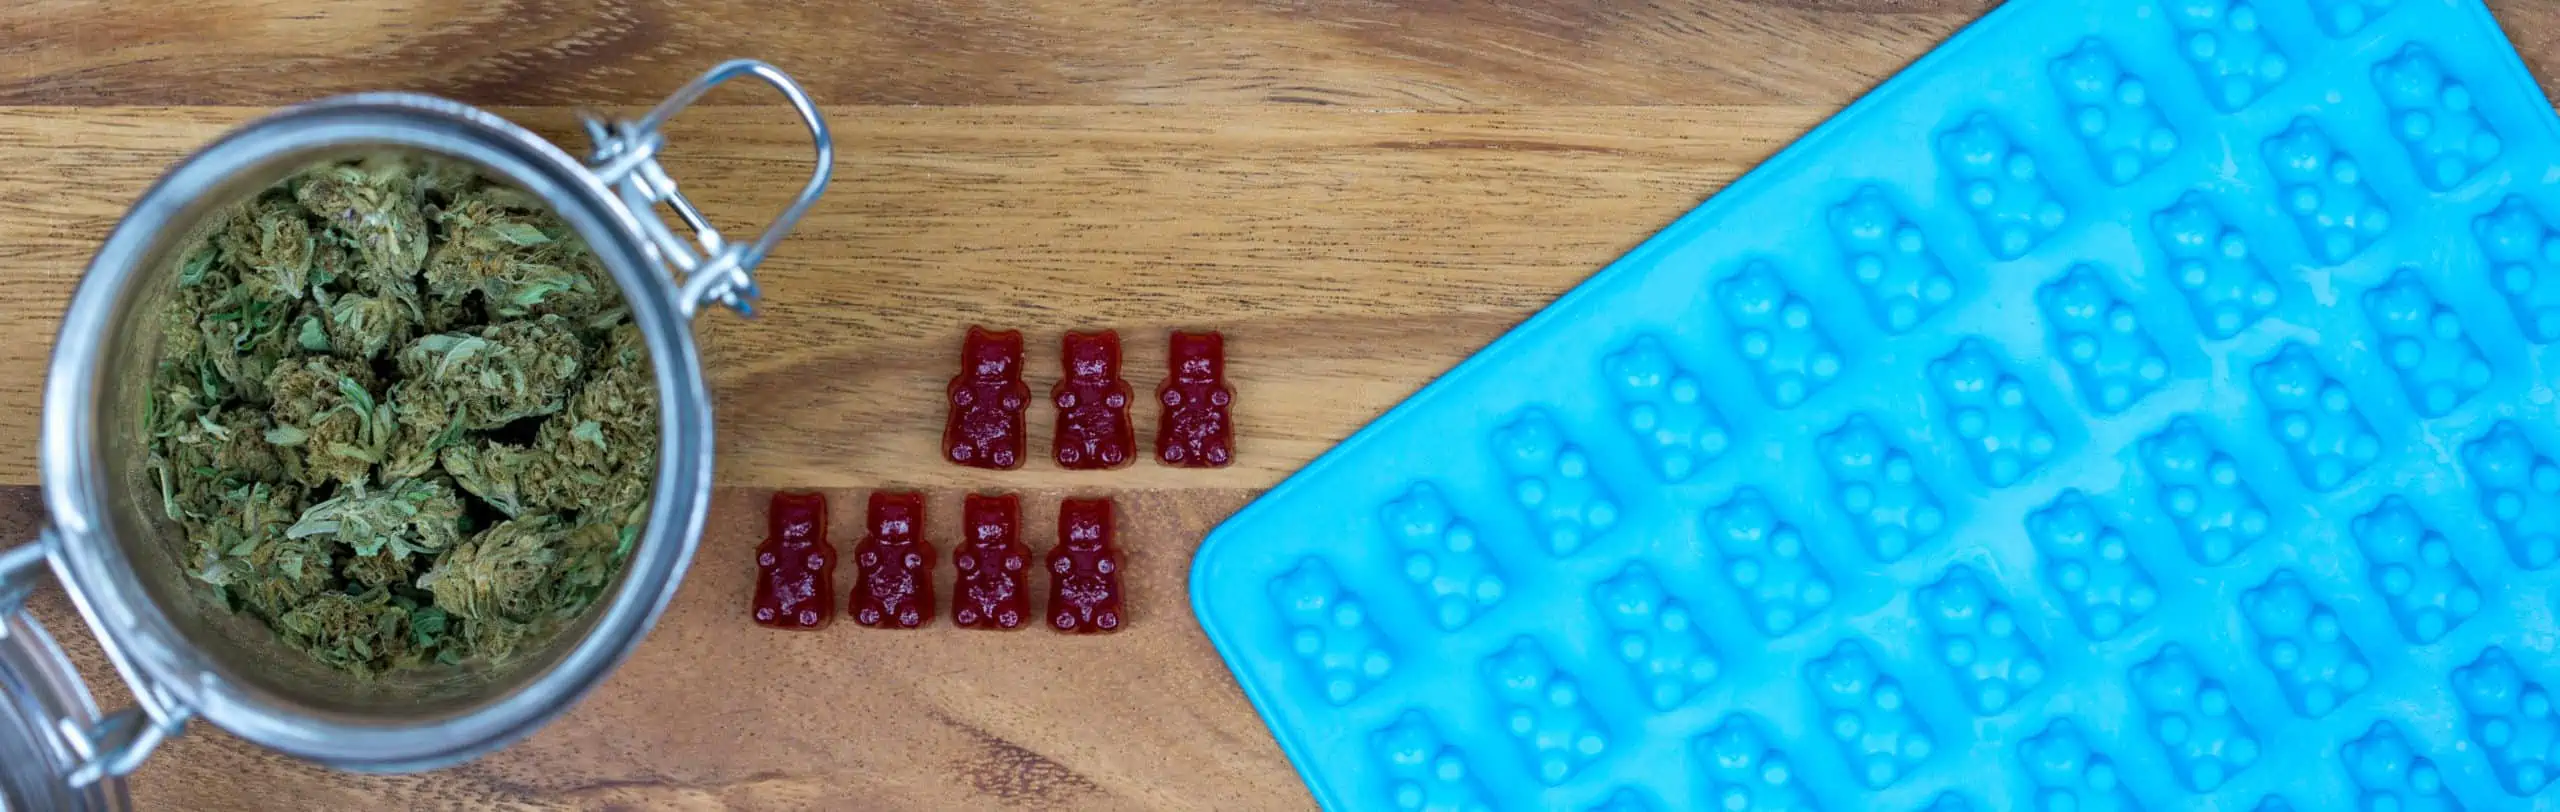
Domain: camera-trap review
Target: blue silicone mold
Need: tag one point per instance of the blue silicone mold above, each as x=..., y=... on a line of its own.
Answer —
x=2137, y=403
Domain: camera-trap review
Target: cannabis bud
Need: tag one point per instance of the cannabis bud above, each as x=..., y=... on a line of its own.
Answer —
x=400, y=415
x=327, y=418
x=492, y=377
x=373, y=208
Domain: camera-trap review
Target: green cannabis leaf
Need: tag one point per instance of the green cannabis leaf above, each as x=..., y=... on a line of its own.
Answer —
x=412, y=517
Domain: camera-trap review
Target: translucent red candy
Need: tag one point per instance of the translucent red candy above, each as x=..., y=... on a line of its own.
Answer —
x=1093, y=404
x=1196, y=431
x=993, y=589
x=895, y=590
x=795, y=566
x=988, y=401
x=1084, y=570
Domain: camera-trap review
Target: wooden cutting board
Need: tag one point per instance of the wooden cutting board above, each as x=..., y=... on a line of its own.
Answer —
x=1358, y=192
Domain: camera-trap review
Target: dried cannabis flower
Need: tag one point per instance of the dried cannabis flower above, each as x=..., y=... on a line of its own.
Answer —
x=326, y=417
x=374, y=208
x=517, y=257
x=362, y=327
x=497, y=375
x=400, y=415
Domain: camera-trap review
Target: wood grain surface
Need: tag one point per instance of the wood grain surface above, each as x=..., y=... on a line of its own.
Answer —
x=1359, y=192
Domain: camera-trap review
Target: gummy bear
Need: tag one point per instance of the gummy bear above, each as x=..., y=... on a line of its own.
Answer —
x=1093, y=404
x=988, y=401
x=993, y=589
x=795, y=566
x=1196, y=431
x=895, y=590
x=1084, y=570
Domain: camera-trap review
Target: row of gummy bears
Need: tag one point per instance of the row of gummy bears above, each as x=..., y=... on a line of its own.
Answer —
x=988, y=400
x=893, y=589
x=795, y=566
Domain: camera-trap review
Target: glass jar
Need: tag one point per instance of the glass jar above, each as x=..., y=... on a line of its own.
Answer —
x=186, y=657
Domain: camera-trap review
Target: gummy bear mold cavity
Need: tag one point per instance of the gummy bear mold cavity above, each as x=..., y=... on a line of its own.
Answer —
x=1774, y=334
x=1553, y=483
x=2089, y=564
x=2524, y=261
x=1988, y=410
x=1742, y=771
x=2302, y=644
x=1764, y=561
x=1978, y=640
x=2199, y=488
x=2414, y=570
x=1888, y=259
x=2520, y=490
x=2211, y=263
x=1544, y=711
x=1999, y=184
x=2098, y=337
x=2311, y=415
x=1444, y=558
x=1658, y=637
x=2112, y=113
x=2193, y=720
x=2344, y=17
x=1329, y=632
x=2424, y=342
x=2392, y=775
x=2435, y=117
x=1879, y=490
x=2139, y=404
x=1665, y=408
x=1868, y=715
x=1424, y=773
x=2510, y=719
x=2069, y=774
x=2227, y=45
x=2325, y=193
x=1949, y=802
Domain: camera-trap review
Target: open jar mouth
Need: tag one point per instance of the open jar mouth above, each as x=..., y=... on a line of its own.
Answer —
x=185, y=654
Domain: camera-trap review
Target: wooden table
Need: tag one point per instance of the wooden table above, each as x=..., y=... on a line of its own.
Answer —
x=1358, y=193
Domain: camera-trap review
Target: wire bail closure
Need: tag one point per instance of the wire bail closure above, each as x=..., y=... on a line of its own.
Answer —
x=710, y=268
x=116, y=744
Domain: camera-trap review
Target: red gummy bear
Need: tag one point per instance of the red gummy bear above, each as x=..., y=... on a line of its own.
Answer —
x=988, y=401
x=1196, y=431
x=896, y=566
x=1093, y=405
x=795, y=566
x=993, y=590
x=1084, y=571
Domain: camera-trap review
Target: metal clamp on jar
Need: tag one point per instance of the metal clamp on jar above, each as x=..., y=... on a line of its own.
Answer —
x=183, y=656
